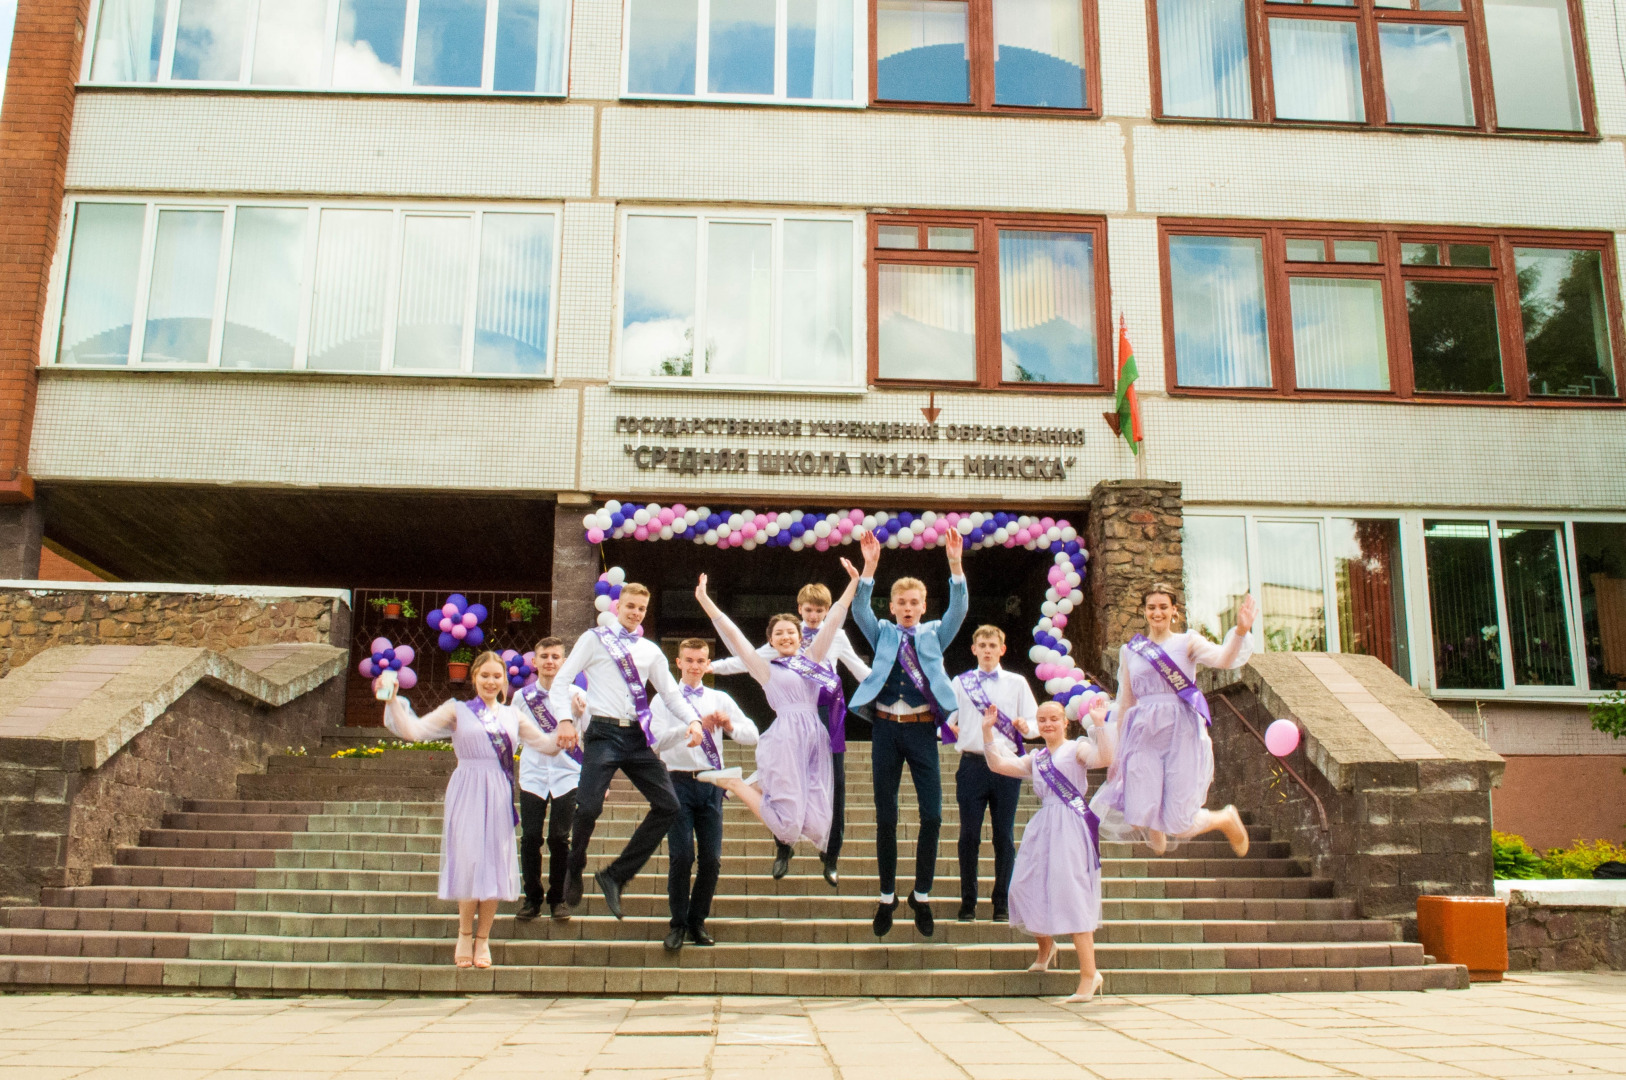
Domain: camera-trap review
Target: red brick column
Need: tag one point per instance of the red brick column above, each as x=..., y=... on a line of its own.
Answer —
x=34, y=129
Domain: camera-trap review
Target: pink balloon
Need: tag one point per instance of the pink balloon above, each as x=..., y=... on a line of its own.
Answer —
x=379, y=644
x=508, y=655
x=678, y=510
x=449, y=610
x=929, y=536
x=919, y=543
x=365, y=667
x=664, y=517
x=1058, y=621
x=749, y=530
x=735, y=539
x=604, y=576
x=615, y=607
x=470, y=619
x=407, y=678
x=1043, y=672
x=638, y=631
x=406, y=654
x=855, y=516
x=1282, y=737
x=446, y=624
x=821, y=545
x=595, y=536
x=640, y=533
x=459, y=631
x=1046, y=522
x=1077, y=675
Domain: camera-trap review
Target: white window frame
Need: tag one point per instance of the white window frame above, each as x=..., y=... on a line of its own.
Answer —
x=50, y=338
x=860, y=95
x=698, y=380
x=409, y=51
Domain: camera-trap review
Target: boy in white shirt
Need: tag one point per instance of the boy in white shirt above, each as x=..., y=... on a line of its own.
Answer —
x=813, y=604
x=985, y=690
x=699, y=821
x=545, y=783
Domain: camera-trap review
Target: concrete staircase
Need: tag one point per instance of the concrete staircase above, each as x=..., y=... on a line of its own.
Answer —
x=336, y=895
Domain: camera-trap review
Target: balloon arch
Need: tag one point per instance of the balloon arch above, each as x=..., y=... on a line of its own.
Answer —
x=1051, y=652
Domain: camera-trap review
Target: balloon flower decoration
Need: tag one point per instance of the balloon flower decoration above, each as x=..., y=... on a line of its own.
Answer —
x=387, y=657
x=1282, y=737
x=521, y=668
x=458, y=622
x=607, y=597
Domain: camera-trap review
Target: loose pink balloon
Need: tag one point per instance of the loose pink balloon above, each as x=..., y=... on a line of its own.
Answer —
x=595, y=536
x=459, y=631
x=1282, y=737
x=449, y=610
x=407, y=678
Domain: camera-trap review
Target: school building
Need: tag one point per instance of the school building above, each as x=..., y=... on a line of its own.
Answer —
x=390, y=295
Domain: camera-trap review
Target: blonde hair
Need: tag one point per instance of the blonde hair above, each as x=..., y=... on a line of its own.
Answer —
x=814, y=594
x=775, y=620
x=1157, y=588
x=491, y=657
x=695, y=643
x=909, y=584
x=988, y=630
x=632, y=588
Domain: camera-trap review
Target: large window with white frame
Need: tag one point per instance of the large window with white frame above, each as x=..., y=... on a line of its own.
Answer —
x=354, y=287
x=491, y=46
x=803, y=52
x=716, y=298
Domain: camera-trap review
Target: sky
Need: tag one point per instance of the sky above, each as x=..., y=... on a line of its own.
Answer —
x=8, y=13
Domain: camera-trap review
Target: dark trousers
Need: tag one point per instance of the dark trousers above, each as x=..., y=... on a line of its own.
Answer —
x=892, y=745
x=605, y=748
x=838, y=815
x=979, y=788
x=533, y=810
x=699, y=824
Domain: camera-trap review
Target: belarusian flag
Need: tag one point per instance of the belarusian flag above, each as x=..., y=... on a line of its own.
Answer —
x=1128, y=424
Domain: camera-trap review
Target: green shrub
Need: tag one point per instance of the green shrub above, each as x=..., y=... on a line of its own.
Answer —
x=1608, y=713
x=1514, y=858
x=1581, y=858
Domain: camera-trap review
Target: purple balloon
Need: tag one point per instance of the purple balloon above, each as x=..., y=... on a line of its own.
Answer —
x=474, y=637
x=508, y=655
x=479, y=612
x=406, y=654
x=433, y=619
x=447, y=642
x=366, y=668
x=408, y=679
x=380, y=644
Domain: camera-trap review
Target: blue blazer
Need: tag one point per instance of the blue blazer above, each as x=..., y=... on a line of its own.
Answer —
x=931, y=638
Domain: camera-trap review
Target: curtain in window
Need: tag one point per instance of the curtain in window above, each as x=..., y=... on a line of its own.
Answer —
x=531, y=45
x=352, y=287
x=1600, y=554
x=1216, y=567
x=516, y=282
x=1316, y=70
x=262, y=299
x=1203, y=45
x=1462, y=605
x=928, y=322
x=434, y=292
x=1339, y=340
x=209, y=40
x=1534, y=586
x=922, y=50
x=1292, y=603
x=1047, y=307
x=1532, y=59
x=104, y=264
x=1039, y=53
x=181, y=297
x=129, y=38
x=816, y=341
x=1220, y=336
x=1371, y=604
x=739, y=300
x=819, y=50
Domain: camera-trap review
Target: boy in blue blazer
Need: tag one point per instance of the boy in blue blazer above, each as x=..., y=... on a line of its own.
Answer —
x=913, y=698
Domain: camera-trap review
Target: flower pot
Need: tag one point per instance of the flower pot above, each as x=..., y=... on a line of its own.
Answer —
x=457, y=672
x=515, y=617
x=1466, y=930
x=392, y=611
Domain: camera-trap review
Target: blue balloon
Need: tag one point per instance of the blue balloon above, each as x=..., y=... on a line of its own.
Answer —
x=797, y=528
x=479, y=611
x=601, y=588
x=447, y=642
x=475, y=637
x=906, y=518
x=388, y=654
x=396, y=665
x=882, y=534
x=433, y=619
x=615, y=592
x=1071, y=547
x=458, y=600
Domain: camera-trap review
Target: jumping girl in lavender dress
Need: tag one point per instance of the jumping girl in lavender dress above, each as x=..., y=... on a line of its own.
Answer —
x=479, y=864
x=1056, y=885
x=793, y=789
x=1165, y=758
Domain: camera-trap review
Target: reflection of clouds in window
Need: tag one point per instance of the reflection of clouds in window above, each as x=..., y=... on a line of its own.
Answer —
x=367, y=55
x=129, y=39
x=1218, y=287
x=451, y=43
x=209, y=40
x=1204, y=49
x=435, y=254
x=816, y=340
x=1216, y=569
x=658, y=296
x=181, y=297
x=262, y=300
x=661, y=42
x=1047, y=307
x=819, y=50
x=516, y=283
x=103, y=265
x=288, y=43
x=1290, y=585
x=739, y=300
x=352, y=282
x=741, y=49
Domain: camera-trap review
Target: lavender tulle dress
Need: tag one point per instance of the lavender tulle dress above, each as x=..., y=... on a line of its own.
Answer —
x=1165, y=760
x=1056, y=884
x=478, y=856
x=793, y=762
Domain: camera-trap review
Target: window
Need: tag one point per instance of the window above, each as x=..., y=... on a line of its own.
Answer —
x=326, y=288
x=1305, y=309
x=801, y=51
x=1485, y=65
x=987, y=54
x=502, y=46
x=988, y=300
x=1600, y=554
x=772, y=297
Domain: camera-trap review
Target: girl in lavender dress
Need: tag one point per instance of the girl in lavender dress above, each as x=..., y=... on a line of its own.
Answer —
x=793, y=790
x=1056, y=884
x=479, y=864
x=1165, y=759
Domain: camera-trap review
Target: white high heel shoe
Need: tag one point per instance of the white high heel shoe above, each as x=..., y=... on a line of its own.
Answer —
x=714, y=775
x=1041, y=966
x=1080, y=999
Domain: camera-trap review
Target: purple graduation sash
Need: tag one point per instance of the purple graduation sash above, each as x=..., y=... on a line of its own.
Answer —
x=1071, y=797
x=707, y=743
x=616, y=646
x=500, y=742
x=534, y=700
x=1164, y=665
x=910, y=661
x=971, y=681
x=831, y=698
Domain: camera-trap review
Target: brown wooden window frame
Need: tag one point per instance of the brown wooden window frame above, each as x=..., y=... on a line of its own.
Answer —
x=989, y=351
x=1368, y=16
x=980, y=44
x=1394, y=275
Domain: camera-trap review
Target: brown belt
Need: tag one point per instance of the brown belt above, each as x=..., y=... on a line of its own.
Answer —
x=907, y=717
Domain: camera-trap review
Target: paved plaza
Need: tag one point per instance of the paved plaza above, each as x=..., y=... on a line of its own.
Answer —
x=1531, y=1025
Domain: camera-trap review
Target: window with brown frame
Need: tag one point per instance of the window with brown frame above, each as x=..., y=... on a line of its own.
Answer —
x=1307, y=309
x=988, y=300
x=986, y=55
x=1485, y=65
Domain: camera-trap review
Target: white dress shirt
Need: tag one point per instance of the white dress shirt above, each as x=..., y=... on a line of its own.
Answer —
x=1010, y=693
x=546, y=775
x=841, y=652
x=672, y=734
x=607, y=692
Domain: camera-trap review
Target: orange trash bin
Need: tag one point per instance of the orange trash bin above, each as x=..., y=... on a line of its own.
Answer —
x=1466, y=930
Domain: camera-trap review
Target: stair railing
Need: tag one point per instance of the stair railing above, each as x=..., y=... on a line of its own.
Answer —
x=1288, y=769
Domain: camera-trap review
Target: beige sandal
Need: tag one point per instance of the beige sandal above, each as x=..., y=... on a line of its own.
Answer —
x=464, y=957
x=482, y=951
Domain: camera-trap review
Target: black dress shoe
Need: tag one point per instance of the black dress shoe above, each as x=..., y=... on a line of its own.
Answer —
x=923, y=917
x=561, y=913
x=573, y=891
x=1001, y=915
x=968, y=912
x=611, y=890
x=831, y=878
x=698, y=936
x=883, y=918
x=781, y=861
x=528, y=911
x=674, y=940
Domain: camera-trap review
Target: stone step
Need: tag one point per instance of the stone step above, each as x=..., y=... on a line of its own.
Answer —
x=298, y=978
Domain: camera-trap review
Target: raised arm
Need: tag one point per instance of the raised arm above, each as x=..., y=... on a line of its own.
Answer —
x=820, y=648
x=863, y=613
x=959, y=598
x=732, y=636
x=998, y=759
x=1237, y=647
x=399, y=718
x=1100, y=748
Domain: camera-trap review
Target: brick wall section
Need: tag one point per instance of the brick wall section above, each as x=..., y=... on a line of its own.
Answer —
x=57, y=821
x=32, y=621
x=1565, y=938
x=1133, y=537
x=34, y=130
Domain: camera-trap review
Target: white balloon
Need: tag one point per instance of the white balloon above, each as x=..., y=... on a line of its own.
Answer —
x=690, y=517
x=606, y=619
x=750, y=545
x=1044, y=624
x=723, y=531
x=602, y=603
x=928, y=517
x=869, y=522
x=590, y=521
x=605, y=521
x=735, y=521
x=892, y=541
x=617, y=576
x=1048, y=607
x=1074, y=580
x=783, y=521
x=711, y=536
x=847, y=538
x=1064, y=606
x=1001, y=535
x=612, y=506
x=1063, y=647
x=640, y=517
x=1076, y=596
x=796, y=544
x=1068, y=534
x=772, y=528
x=821, y=530
x=1052, y=686
x=1036, y=654
x=666, y=532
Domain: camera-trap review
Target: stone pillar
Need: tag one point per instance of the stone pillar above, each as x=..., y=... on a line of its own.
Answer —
x=22, y=527
x=1133, y=537
x=575, y=569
